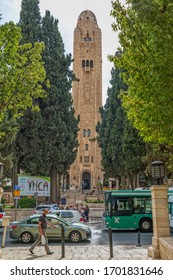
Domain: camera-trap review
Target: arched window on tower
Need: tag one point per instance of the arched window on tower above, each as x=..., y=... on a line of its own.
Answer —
x=83, y=63
x=84, y=133
x=91, y=63
x=89, y=133
x=87, y=63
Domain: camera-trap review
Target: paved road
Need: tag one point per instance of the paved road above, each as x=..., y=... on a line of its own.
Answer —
x=99, y=237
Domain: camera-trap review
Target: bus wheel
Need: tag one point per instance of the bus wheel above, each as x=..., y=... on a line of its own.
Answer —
x=145, y=225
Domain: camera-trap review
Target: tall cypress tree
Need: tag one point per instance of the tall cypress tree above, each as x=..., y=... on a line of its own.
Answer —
x=48, y=138
x=57, y=111
x=30, y=21
x=122, y=147
x=111, y=130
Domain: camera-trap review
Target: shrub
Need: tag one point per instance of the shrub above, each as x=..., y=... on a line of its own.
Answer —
x=3, y=200
x=27, y=202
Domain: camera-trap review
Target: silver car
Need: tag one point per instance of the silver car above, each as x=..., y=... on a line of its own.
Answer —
x=69, y=215
x=27, y=229
x=40, y=208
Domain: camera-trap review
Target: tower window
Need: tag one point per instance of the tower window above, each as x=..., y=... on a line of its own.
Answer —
x=80, y=158
x=89, y=133
x=86, y=159
x=86, y=147
x=83, y=63
x=92, y=159
x=84, y=133
x=87, y=64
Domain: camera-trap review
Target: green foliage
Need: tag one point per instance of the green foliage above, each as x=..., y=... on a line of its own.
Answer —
x=47, y=142
x=30, y=21
x=121, y=146
x=27, y=202
x=3, y=200
x=146, y=38
x=20, y=76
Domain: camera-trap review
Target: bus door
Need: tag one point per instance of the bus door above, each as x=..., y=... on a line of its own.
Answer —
x=122, y=213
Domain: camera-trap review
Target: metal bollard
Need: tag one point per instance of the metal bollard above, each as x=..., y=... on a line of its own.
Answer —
x=62, y=241
x=139, y=239
x=110, y=243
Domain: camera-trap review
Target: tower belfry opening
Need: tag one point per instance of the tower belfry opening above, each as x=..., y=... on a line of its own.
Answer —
x=87, y=99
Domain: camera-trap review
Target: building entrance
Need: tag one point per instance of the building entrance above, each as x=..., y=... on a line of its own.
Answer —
x=86, y=181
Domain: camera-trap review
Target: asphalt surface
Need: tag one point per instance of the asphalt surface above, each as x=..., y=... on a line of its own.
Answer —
x=124, y=247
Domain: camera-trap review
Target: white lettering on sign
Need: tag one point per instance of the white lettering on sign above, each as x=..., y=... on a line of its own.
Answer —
x=116, y=220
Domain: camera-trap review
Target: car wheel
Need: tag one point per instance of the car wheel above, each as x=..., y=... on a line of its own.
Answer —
x=145, y=225
x=75, y=236
x=26, y=237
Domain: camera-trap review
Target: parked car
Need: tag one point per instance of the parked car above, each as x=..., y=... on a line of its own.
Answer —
x=51, y=207
x=69, y=215
x=2, y=213
x=27, y=229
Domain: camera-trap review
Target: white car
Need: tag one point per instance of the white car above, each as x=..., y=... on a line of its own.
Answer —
x=40, y=208
x=2, y=213
x=69, y=215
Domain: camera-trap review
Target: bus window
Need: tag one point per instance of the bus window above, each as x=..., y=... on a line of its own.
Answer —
x=122, y=207
x=142, y=205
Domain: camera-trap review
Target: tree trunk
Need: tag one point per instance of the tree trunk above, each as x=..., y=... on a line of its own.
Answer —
x=53, y=185
x=15, y=176
x=58, y=188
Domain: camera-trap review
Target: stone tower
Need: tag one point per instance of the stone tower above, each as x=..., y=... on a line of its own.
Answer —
x=85, y=172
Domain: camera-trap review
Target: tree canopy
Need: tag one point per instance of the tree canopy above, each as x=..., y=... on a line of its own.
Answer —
x=21, y=71
x=121, y=146
x=146, y=37
x=48, y=138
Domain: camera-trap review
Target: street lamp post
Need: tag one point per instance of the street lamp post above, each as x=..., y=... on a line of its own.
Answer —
x=157, y=172
x=160, y=216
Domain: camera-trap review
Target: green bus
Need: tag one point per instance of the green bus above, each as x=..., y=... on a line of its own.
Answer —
x=129, y=209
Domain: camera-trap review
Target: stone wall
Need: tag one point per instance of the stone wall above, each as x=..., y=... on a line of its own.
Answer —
x=20, y=213
x=95, y=212
x=166, y=248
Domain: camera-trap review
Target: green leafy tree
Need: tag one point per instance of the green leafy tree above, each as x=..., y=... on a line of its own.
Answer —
x=146, y=38
x=21, y=72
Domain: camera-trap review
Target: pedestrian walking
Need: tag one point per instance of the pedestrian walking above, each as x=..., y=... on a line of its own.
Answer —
x=42, y=225
x=87, y=210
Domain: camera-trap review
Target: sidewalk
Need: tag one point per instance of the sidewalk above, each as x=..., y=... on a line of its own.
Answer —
x=95, y=252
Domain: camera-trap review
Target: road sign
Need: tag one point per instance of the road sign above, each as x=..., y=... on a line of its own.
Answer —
x=16, y=188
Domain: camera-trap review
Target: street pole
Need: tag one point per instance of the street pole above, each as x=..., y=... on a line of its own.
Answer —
x=15, y=213
x=62, y=241
x=110, y=242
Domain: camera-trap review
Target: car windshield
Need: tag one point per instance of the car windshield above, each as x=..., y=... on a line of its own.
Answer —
x=60, y=219
x=42, y=207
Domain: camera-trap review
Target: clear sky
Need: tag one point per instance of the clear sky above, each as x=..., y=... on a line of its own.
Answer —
x=67, y=12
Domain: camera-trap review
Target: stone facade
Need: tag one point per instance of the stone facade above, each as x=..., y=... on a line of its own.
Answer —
x=161, y=225
x=85, y=172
